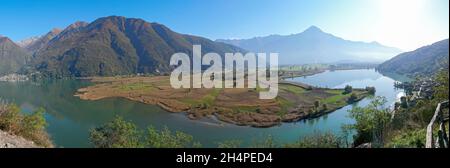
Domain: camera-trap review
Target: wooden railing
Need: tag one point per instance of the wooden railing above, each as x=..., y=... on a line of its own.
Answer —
x=442, y=136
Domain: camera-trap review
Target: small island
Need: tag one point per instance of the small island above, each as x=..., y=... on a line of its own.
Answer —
x=295, y=101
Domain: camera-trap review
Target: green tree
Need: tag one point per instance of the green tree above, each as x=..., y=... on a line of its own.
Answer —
x=229, y=144
x=123, y=134
x=324, y=106
x=319, y=140
x=371, y=122
x=441, y=91
x=316, y=104
x=403, y=102
x=353, y=97
x=371, y=90
x=165, y=139
x=116, y=134
x=348, y=89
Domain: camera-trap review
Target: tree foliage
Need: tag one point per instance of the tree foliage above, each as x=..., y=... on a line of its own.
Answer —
x=123, y=134
x=319, y=140
x=348, y=89
x=371, y=122
x=165, y=139
x=116, y=134
x=31, y=126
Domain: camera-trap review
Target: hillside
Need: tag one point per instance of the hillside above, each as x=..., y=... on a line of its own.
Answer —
x=117, y=46
x=12, y=56
x=315, y=46
x=423, y=61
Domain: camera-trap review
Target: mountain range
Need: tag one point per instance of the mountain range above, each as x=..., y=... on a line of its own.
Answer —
x=113, y=46
x=35, y=43
x=316, y=46
x=424, y=61
x=117, y=45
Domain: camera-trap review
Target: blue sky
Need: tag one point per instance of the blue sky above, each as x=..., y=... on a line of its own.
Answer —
x=406, y=24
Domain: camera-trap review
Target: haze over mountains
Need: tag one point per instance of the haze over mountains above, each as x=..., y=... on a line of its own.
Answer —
x=426, y=60
x=315, y=46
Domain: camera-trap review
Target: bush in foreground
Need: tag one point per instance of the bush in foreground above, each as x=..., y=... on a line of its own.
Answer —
x=371, y=122
x=31, y=127
x=319, y=140
x=123, y=134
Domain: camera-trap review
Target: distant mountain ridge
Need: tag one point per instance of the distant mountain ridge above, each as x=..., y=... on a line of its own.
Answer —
x=26, y=42
x=33, y=45
x=116, y=46
x=424, y=61
x=315, y=46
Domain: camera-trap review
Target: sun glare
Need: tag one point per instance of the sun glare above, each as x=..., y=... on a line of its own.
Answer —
x=402, y=22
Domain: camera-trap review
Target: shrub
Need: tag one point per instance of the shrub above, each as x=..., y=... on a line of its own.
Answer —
x=123, y=134
x=409, y=139
x=31, y=127
x=371, y=122
x=403, y=102
x=11, y=119
x=165, y=139
x=371, y=90
x=353, y=97
x=348, y=89
x=116, y=134
x=319, y=140
x=229, y=144
x=268, y=142
x=324, y=106
x=316, y=104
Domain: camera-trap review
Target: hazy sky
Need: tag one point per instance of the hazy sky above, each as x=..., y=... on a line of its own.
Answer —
x=406, y=24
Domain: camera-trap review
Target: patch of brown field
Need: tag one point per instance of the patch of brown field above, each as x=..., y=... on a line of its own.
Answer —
x=242, y=98
x=236, y=106
x=318, y=94
x=299, y=100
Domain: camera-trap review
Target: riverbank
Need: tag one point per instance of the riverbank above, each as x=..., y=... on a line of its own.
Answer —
x=235, y=106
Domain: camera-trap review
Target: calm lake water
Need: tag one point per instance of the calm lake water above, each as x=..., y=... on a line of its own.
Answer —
x=70, y=118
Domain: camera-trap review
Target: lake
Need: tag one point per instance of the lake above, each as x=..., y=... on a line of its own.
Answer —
x=70, y=118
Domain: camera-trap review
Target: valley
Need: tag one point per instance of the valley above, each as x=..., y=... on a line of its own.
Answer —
x=90, y=73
